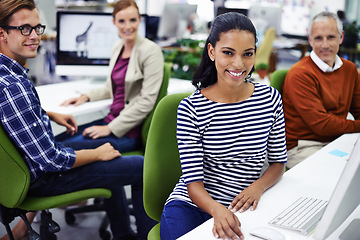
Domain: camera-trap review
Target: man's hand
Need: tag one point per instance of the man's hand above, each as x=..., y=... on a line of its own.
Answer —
x=65, y=120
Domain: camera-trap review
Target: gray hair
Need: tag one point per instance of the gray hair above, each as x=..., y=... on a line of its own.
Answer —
x=325, y=16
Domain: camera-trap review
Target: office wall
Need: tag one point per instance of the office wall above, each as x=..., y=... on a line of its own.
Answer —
x=313, y=6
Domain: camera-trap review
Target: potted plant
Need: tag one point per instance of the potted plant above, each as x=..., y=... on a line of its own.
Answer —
x=262, y=69
x=351, y=35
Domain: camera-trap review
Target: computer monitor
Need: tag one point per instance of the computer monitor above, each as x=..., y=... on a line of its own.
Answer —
x=345, y=198
x=84, y=42
x=271, y=13
x=295, y=21
x=222, y=10
x=174, y=20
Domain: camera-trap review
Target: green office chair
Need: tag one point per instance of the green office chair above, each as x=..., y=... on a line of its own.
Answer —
x=161, y=163
x=147, y=121
x=14, y=185
x=98, y=203
x=277, y=79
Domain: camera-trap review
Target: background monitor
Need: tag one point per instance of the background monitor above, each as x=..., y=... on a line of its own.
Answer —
x=344, y=199
x=84, y=42
x=269, y=13
x=222, y=10
x=174, y=20
x=295, y=21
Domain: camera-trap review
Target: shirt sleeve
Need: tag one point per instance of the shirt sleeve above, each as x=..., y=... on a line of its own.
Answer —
x=302, y=89
x=29, y=127
x=277, y=139
x=189, y=143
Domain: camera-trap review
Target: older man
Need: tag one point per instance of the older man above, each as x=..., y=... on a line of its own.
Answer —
x=319, y=92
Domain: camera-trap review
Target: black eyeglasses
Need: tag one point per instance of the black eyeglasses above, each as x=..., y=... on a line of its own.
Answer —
x=27, y=29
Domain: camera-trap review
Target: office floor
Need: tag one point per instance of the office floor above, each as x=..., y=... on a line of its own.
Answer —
x=87, y=224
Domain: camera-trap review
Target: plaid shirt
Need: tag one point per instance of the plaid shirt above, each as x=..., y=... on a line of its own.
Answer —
x=28, y=124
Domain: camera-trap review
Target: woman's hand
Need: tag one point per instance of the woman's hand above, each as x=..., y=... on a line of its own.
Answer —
x=65, y=120
x=226, y=224
x=75, y=101
x=95, y=132
x=249, y=197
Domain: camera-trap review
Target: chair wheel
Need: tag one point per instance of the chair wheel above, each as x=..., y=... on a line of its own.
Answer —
x=105, y=235
x=70, y=218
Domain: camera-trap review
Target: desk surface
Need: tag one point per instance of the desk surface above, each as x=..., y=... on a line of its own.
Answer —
x=314, y=177
x=52, y=95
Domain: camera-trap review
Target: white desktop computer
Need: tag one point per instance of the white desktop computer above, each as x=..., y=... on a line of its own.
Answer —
x=84, y=42
x=344, y=200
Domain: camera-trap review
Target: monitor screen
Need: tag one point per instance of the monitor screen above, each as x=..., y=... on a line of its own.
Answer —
x=295, y=20
x=84, y=42
x=345, y=197
x=174, y=20
x=222, y=10
x=269, y=13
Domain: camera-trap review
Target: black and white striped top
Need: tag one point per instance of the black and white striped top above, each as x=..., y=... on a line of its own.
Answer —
x=225, y=144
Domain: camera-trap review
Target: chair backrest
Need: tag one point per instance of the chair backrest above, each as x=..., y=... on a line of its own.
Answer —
x=162, y=167
x=277, y=79
x=162, y=93
x=14, y=174
x=263, y=52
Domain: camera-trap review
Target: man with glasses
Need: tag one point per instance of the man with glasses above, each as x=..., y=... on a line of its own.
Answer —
x=56, y=169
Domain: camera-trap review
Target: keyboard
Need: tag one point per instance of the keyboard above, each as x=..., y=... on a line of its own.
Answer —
x=303, y=215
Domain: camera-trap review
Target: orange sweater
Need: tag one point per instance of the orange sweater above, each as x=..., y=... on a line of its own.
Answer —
x=316, y=103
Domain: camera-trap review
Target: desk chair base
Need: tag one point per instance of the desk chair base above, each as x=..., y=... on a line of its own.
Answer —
x=48, y=227
x=98, y=206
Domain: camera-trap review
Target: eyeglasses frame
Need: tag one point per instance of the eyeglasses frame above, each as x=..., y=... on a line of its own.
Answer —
x=21, y=28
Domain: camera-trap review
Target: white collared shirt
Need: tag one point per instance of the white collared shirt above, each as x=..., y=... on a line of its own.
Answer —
x=323, y=66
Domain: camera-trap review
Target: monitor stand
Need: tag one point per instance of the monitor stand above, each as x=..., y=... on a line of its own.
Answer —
x=352, y=231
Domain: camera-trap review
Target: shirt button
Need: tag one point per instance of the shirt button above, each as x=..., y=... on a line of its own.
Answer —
x=34, y=124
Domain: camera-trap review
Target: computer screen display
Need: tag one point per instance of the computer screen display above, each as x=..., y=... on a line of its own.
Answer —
x=174, y=20
x=269, y=13
x=222, y=10
x=345, y=198
x=295, y=21
x=84, y=42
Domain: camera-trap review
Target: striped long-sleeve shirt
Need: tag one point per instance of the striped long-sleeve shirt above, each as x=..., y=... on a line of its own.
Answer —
x=224, y=145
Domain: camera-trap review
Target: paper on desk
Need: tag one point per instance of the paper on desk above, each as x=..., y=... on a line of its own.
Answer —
x=338, y=153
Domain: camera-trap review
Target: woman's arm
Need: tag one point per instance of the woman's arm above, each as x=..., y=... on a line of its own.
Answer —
x=251, y=195
x=226, y=224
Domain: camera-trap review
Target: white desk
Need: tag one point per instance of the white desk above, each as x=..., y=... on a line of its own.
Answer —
x=52, y=95
x=314, y=177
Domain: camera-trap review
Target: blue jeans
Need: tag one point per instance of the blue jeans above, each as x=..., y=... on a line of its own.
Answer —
x=113, y=175
x=77, y=141
x=178, y=218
